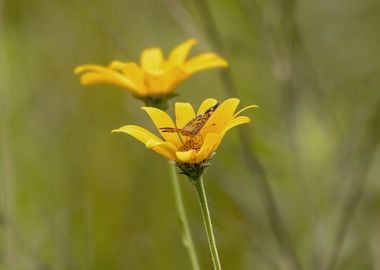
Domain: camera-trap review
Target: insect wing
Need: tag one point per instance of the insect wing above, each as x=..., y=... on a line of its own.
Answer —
x=194, y=125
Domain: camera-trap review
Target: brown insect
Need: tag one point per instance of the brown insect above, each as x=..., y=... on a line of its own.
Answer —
x=194, y=125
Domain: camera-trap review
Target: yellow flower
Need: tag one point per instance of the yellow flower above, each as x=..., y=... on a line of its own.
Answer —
x=189, y=149
x=156, y=76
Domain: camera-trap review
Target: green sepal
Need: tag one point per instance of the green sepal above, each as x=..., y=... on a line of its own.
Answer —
x=194, y=170
x=159, y=102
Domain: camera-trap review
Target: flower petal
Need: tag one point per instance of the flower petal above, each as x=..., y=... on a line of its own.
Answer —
x=162, y=119
x=130, y=70
x=246, y=108
x=165, y=149
x=136, y=75
x=117, y=65
x=209, y=146
x=94, y=74
x=139, y=133
x=184, y=113
x=221, y=117
x=179, y=54
x=151, y=59
x=204, y=61
x=96, y=78
x=186, y=156
x=236, y=122
x=155, y=83
x=206, y=104
x=172, y=78
x=94, y=68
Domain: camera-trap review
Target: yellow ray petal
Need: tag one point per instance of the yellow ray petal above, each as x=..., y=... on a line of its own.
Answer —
x=179, y=54
x=184, y=113
x=207, y=103
x=222, y=116
x=161, y=119
x=186, y=156
x=94, y=74
x=139, y=133
x=97, y=78
x=236, y=122
x=172, y=78
x=117, y=65
x=155, y=83
x=151, y=59
x=165, y=149
x=94, y=68
x=209, y=146
x=246, y=108
x=134, y=73
x=204, y=61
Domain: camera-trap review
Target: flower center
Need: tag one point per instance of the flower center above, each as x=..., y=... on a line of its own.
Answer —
x=193, y=143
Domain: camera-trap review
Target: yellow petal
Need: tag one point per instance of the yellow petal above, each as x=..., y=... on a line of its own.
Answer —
x=221, y=117
x=154, y=83
x=151, y=59
x=162, y=119
x=94, y=74
x=172, y=78
x=246, y=108
x=165, y=149
x=94, y=68
x=206, y=104
x=184, y=113
x=204, y=61
x=237, y=121
x=209, y=146
x=96, y=78
x=133, y=72
x=139, y=133
x=117, y=65
x=179, y=54
x=186, y=156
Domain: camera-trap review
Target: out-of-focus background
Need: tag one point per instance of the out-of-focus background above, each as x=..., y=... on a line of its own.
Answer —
x=305, y=195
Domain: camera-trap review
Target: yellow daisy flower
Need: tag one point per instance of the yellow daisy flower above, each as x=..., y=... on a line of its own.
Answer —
x=191, y=148
x=155, y=76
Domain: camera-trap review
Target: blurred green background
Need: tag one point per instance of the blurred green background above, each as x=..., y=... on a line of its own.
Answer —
x=74, y=196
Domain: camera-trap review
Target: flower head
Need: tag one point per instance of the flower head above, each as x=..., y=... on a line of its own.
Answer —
x=177, y=143
x=155, y=77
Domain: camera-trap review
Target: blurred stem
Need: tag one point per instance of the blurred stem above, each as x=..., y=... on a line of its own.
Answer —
x=359, y=176
x=187, y=239
x=7, y=175
x=253, y=164
x=198, y=183
x=217, y=42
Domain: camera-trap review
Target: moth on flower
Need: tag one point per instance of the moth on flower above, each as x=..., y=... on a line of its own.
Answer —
x=192, y=128
x=155, y=77
x=193, y=138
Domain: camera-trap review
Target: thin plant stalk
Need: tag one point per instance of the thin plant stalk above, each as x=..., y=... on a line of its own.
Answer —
x=198, y=183
x=253, y=163
x=187, y=239
x=7, y=177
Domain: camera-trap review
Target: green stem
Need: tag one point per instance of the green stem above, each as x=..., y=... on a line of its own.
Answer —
x=198, y=183
x=186, y=234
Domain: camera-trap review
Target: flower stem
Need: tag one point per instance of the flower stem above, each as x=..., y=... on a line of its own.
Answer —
x=186, y=234
x=198, y=183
